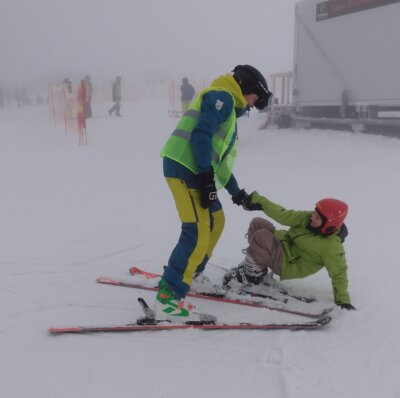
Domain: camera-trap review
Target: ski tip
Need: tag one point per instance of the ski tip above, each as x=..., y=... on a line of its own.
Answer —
x=326, y=311
x=58, y=330
x=324, y=320
x=133, y=270
x=309, y=299
x=105, y=279
x=146, y=274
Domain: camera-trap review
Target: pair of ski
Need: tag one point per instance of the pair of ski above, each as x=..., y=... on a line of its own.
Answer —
x=241, y=297
x=135, y=271
x=247, y=299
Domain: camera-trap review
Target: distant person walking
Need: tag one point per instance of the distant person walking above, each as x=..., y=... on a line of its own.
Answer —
x=116, y=96
x=187, y=94
x=68, y=98
x=88, y=100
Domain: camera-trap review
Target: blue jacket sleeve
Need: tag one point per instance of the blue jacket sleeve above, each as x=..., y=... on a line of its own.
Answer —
x=216, y=107
x=232, y=186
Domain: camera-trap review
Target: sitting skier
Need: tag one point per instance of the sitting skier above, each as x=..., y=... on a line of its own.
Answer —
x=313, y=241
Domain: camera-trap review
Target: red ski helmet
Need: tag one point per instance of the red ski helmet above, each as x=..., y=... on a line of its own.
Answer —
x=333, y=212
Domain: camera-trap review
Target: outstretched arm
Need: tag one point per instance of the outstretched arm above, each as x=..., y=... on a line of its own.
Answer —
x=277, y=212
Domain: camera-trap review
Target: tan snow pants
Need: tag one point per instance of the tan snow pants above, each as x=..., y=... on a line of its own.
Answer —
x=265, y=249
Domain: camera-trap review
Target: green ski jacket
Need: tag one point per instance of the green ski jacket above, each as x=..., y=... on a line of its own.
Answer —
x=305, y=252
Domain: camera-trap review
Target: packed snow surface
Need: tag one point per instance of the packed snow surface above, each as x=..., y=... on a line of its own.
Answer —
x=70, y=213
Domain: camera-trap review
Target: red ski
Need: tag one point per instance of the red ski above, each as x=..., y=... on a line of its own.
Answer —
x=138, y=271
x=317, y=324
x=150, y=275
x=245, y=300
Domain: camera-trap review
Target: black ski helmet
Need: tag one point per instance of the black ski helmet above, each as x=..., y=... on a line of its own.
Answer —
x=251, y=81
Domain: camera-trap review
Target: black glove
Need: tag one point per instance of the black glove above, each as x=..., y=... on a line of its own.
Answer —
x=346, y=307
x=247, y=205
x=240, y=197
x=208, y=192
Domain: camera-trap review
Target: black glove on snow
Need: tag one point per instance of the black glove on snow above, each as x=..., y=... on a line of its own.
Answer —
x=247, y=205
x=347, y=307
x=208, y=192
x=239, y=198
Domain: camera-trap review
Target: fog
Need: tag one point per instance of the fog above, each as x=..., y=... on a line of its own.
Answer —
x=45, y=40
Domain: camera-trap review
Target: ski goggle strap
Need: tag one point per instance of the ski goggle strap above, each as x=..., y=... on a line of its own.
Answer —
x=263, y=100
x=264, y=96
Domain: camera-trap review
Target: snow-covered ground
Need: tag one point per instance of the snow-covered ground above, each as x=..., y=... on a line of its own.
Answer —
x=69, y=214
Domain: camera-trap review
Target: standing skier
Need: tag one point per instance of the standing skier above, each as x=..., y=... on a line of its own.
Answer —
x=197, y=160
x=88, y=100
x=187, y=94
x=313, y=241
x=116, y=96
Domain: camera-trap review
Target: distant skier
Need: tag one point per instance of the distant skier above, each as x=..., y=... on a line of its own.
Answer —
x=68, y=98
x=313, y=241
x=88, y=100
x=198, y=159
x=187, y=94
x=116, y=96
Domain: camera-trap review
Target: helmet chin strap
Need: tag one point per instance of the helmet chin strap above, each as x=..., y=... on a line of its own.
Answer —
x=318, y=230
x=314, y=230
